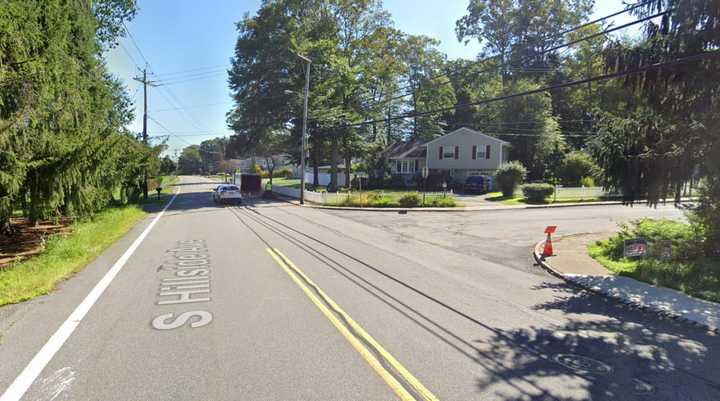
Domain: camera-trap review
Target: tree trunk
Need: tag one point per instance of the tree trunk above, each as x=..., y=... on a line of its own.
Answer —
x=316, y=170
x=333, y=164
x=348, y=166
x=34, y=216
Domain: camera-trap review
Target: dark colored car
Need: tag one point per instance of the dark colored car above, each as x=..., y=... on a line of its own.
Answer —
x=476, y=184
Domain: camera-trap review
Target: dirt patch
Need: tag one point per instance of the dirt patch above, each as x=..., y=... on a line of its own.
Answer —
x=29, y=240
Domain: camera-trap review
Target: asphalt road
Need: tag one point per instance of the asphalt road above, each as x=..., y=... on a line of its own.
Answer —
x=269, y=301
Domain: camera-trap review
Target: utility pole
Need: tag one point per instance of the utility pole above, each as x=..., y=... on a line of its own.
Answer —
x=145, y=83
x=304, y=130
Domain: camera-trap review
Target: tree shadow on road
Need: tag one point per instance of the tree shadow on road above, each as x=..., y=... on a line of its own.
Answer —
x=604, y=352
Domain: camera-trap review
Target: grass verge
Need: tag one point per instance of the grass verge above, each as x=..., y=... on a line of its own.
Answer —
x=394, y=199
x=687, y=271
x=65, y=255
x=520, y=200
x=283, y=182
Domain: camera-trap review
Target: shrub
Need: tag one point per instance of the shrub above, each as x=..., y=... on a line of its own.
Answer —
x=685, y=239
x=587, y=182
x=283, y=173
x=384, y=201
x=509, y=176
x=537, y=193
x=410, y=200
x=688, y=269
x=442, y=201
x=576, y=166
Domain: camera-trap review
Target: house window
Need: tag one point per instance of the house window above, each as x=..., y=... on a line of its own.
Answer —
x=448, y=154
x=487, y=151
x=406, y=166
x=478, y=152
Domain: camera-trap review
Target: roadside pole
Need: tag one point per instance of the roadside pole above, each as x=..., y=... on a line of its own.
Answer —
x=304, y=130
x=424, y=177
x=145, y=83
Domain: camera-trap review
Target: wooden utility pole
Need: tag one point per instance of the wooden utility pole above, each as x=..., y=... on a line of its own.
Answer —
x=145, y=83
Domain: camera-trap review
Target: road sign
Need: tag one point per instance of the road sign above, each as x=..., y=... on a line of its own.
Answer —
x=635, y=248
x=662, y=250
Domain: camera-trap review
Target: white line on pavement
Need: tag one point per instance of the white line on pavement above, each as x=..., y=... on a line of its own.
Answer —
x=26, y=378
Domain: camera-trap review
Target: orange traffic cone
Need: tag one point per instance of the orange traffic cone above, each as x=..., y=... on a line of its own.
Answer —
x=548, y=249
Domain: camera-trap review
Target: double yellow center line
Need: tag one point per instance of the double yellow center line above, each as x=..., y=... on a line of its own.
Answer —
x=358, y=337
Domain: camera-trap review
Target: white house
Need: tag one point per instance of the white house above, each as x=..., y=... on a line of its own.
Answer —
x=458, y=154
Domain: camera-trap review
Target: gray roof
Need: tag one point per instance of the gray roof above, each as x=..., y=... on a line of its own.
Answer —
x=406, y=150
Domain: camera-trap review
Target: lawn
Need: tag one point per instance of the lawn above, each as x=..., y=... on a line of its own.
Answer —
x=283, y=182
x=697, y=276
x=519, y=199
x=393, y=198
x=65, y=255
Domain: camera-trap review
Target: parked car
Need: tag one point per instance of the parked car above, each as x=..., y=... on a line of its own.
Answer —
x=477, y=184
x=225, y=193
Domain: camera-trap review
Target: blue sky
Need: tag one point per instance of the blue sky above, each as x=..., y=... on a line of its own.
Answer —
x=181, y=35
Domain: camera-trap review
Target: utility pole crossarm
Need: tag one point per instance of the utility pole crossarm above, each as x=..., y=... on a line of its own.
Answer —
x=145, y=83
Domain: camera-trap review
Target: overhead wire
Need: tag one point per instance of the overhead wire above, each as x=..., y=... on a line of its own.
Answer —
x=542, y=52
x=539, y=90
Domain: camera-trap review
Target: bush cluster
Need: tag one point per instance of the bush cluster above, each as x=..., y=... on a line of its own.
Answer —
x=688, y=269
x=686, y=241
x=509, y=176
x=379, y=199
x=410, y=200
x=537, y=193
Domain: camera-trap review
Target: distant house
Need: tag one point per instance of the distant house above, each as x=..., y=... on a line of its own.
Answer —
x=459, y=154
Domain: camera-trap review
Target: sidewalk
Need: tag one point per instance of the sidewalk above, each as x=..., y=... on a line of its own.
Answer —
x=572, y=263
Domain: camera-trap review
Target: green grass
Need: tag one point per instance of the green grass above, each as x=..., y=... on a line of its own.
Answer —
x=391, y=198
x=283, y=182
x=520, y=200
x=167, y=182
x=65, y=255
x=687, y=271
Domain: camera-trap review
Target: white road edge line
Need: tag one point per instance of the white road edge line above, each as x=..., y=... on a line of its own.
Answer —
x=31, y=372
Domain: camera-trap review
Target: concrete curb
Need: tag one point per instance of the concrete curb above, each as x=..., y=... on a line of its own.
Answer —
x=537, y=255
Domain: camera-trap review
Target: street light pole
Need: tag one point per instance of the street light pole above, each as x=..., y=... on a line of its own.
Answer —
x=304, y=128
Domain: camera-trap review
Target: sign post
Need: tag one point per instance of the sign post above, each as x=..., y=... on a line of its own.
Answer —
x=635, y=248
x=424, y=177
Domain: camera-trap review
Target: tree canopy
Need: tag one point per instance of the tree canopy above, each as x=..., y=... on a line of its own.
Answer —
x=64, y=145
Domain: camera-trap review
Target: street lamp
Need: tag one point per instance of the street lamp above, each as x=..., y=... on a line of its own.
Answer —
x=304, y=128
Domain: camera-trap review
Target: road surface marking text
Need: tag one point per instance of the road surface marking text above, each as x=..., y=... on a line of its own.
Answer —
x=26, y=378
x=356, y=341
x=189, y=284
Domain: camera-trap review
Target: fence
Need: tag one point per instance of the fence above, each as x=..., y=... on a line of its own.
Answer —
x=310, y=196
x=584, y=193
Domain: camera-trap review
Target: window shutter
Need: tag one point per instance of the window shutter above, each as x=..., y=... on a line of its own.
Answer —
x=457, y=152
x=474, y=152
x=398, y=166
x=417, y=164
x=440, y=153
x=487, y=151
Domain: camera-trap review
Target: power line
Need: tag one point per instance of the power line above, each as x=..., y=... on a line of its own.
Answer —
x=197, y=78
x=545, y=51
x=191, y=70
x=191, y=107
x=170, y=133
x=132, y=39
x=539, y=90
